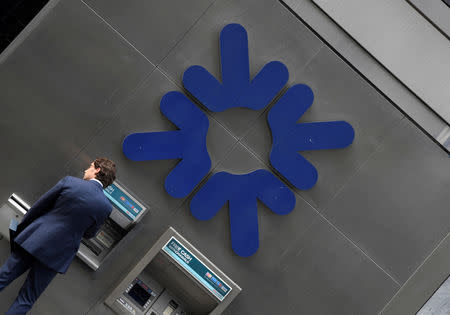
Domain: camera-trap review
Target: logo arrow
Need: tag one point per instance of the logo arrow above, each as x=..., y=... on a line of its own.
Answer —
x=242, y=192
x=290, y=137
x=188, y=144
x=236, y=89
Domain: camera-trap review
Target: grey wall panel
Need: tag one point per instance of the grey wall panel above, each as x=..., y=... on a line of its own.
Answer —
x=436, y=11
x=153, y=27
x=339, y=94
x=332, y=276
x=396, y=207
x=369, y=67
x=59, y=86
x=403, y=41
x=273, y=34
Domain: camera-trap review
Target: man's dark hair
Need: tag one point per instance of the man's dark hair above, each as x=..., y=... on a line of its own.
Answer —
x=107, y=173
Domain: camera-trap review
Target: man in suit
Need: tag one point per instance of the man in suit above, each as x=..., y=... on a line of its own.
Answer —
x=50, y=233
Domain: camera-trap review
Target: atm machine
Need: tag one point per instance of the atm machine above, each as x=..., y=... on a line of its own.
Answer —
x=127, y=211
x=173, y=278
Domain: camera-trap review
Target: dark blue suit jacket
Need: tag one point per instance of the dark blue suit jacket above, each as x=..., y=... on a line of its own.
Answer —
x=52, y=229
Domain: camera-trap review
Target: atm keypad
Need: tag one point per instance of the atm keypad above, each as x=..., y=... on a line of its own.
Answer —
x=126, y=305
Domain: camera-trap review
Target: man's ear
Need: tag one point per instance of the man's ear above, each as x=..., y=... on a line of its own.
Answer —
x=97, y=170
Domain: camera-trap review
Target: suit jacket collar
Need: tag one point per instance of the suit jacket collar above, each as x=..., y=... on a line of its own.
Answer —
x=98, y=182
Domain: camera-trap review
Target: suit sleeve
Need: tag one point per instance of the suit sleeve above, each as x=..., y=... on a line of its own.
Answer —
x=92, y=230
x=43, y=205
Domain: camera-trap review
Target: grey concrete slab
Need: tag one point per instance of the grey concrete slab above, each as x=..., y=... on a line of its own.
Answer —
x=396, y=207
x=339, y=94
x=324, y=273
x=142, y=114
x=59, y=86
x=273, y=34
x=153, y=27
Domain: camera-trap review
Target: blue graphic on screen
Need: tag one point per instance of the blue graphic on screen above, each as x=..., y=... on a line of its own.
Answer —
x=189, y=143
x=122, y=202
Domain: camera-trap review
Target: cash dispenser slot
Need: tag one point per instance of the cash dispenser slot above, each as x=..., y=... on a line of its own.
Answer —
x=127, y=212
x=173, y=278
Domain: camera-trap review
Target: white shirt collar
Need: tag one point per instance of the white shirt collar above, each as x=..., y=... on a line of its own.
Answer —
x=95, y=179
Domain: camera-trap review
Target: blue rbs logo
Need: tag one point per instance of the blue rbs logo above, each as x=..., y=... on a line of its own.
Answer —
x=189, y=142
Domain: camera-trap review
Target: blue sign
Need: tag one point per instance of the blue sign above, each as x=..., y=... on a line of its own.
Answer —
x=196, y=268
x=288, y=139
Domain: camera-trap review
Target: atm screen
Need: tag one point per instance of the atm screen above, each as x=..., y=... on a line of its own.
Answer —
x=139, y=294
x=122, y=201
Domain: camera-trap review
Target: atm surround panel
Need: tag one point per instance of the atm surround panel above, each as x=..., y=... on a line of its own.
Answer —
x=161, y=271
x=183, y=286
x=178, y=283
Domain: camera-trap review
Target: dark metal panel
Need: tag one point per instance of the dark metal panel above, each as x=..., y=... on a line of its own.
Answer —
x=396, y=206
x=59, y=86
x=153, y=27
